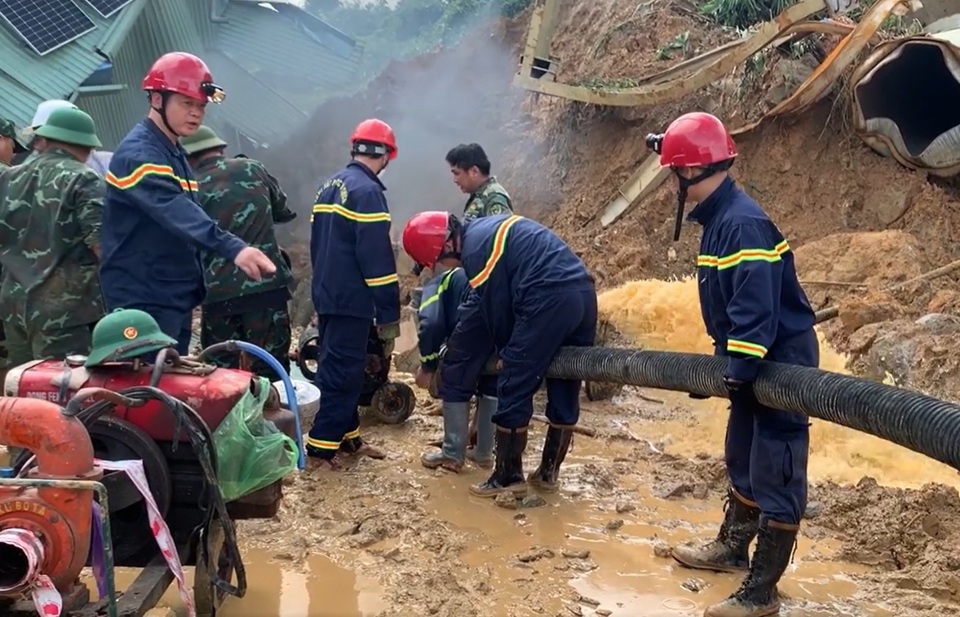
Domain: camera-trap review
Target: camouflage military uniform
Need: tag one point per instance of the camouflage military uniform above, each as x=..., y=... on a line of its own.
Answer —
x=489, y=199
x=244, y=199
x=50, y=213
x=7, y=129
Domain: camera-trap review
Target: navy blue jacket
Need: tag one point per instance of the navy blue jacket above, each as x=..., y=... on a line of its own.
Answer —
x=510, y=262
x=354, y=268
x=442, y=298
x=750, y=298
x=153, y=225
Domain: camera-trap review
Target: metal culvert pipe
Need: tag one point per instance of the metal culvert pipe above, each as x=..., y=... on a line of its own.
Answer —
x=915, y=421
x=906, y=101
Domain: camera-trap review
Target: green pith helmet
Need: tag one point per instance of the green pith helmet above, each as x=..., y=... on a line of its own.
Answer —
x=126, y=334
x=204, y=139
x=70, y=126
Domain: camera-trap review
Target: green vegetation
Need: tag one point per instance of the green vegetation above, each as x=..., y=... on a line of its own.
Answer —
x=743, y=13
x=411, y=27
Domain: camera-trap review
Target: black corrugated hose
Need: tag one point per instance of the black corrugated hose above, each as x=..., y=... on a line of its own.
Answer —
x=915, y=421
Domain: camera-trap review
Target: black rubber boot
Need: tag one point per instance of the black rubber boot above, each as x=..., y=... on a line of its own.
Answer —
x=555, y=447
x=508, y=470
x=757, y=595
x=730, y=551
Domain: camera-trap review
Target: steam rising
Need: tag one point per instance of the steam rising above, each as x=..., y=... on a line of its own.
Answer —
x=433, y=103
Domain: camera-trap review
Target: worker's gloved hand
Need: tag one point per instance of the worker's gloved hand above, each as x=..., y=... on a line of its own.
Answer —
x=254, y=263
x=739, y=391
x=423, y=378
x=388, y=333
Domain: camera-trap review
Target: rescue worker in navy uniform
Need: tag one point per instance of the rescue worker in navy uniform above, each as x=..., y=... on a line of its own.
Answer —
x=533, y=293
x=753, y=308
x=355, y=288
x=153, y=225
x=438, y=315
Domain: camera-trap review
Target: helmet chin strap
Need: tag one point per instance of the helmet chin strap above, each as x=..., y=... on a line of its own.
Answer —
x=162, y=111
x=685, y=184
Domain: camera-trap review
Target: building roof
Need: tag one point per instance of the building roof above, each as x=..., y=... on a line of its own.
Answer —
x=257, y=47
x=53, y=76
x=252, y=107
x=287, y=42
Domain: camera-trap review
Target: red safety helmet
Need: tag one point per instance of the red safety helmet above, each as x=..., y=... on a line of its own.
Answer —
x=424, y=237
x=184, y=74
x=696, y=140
x=377, y=132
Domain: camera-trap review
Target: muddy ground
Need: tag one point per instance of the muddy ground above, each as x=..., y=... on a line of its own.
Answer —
x=417, y=545
x=599, y=547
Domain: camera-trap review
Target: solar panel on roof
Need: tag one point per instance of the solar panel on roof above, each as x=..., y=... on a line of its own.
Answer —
x=46, y=25
x=106, y=8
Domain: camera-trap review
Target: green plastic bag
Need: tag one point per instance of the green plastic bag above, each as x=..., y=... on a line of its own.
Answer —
x=251, y=451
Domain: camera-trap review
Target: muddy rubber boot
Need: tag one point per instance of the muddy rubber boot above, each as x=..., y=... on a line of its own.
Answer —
x=482, y=453
x=729, y=552
x=757, y=595
x=456, y=420
x=555, y=447
x=507, y=474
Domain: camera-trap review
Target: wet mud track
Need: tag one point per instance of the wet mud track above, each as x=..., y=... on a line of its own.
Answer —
x=401, y=540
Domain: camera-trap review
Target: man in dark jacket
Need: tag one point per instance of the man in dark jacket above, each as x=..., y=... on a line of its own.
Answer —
x=355, y=288
x=534, y=295
x=438, y=317
x=153, y=224
x=753, y=308
x=245, y=200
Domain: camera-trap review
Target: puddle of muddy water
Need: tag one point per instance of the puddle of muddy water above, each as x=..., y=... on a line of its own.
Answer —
x=602, y=559
x=319, y=588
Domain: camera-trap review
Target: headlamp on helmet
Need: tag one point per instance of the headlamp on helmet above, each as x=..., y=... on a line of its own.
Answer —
x=213, y=92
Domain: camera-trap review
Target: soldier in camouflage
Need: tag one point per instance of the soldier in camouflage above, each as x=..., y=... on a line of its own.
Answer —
x=50, y=212
x=471, y=172
x=9, y=146
x=244, y=199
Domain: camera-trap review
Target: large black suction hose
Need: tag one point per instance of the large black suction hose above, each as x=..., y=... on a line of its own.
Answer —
x=917, y=422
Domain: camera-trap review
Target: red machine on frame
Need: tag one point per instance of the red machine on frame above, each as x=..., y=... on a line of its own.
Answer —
x=177, y=464
x=56, y=521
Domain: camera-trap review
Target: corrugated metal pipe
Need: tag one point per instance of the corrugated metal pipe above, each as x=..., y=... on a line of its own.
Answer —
x=906, y=99
x=915, y=421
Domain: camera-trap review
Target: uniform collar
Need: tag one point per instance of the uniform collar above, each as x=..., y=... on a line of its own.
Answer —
x=173, y=148
x=707, y=209
x=56, y=154
x=209, y=163
x=490, y=180
x=367, y=171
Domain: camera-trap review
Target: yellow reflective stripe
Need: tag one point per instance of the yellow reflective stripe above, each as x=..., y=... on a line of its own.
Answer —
x=444, y=285
x=433, y=356
x=323, y=444
x=352, y=434
x=149, y=169
x=731, y=261
x=380, y=281
x=375, y=217
x=499, y=244
x=744, y=347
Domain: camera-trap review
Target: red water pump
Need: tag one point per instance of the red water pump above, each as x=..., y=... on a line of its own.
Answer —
x=45, y=529
x=151, y=432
